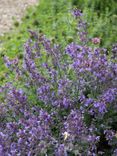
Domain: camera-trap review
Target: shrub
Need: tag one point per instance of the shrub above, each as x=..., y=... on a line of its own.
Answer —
x=72, y=109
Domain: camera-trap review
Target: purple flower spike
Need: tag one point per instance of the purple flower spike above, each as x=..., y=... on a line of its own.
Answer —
x=77, y=13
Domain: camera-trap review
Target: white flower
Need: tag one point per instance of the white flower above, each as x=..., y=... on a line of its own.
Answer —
x=66, y=135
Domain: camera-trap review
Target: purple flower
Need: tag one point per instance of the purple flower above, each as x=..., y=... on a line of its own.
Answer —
x=77, y=13
x=74, y=124
x=88, y=102
x=44, y=93
x=67, y=102
x=61, y=151
x=93, y=138
x=1, y=151
x=110, y=134
x=73, y=49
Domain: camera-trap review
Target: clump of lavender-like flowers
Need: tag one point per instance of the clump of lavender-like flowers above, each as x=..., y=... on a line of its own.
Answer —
x=75, y=92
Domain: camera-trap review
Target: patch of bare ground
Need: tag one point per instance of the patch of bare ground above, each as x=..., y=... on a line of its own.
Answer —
x=10, y=9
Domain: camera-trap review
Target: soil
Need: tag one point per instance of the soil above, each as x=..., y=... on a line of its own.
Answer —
x=12, y=9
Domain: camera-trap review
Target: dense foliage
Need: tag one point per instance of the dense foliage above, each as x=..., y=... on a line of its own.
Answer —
x=74, y=88
x=98, y=5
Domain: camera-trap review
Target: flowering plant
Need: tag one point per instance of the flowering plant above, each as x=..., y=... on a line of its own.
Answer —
x=76, y=93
